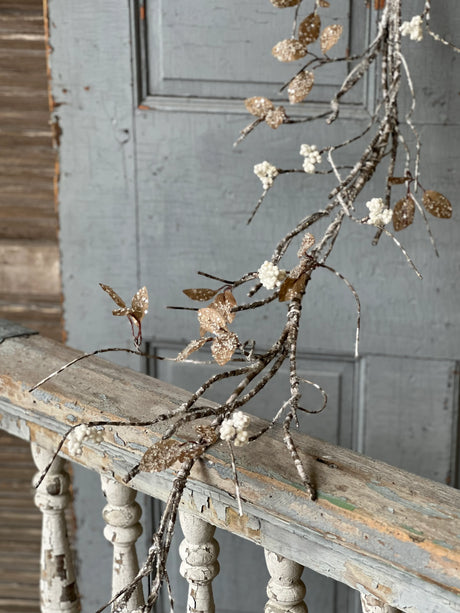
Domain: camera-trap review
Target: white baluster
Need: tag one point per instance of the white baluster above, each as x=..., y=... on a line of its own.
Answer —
x=122, y=515
x=58, y=590
x=199, y=551
x=285, y=590
x=371, y=604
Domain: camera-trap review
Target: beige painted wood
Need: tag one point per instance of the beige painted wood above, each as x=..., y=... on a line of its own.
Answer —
x=58, y=589
x=371, y=604
x=122, y=514
x=285, y=590
x=373, y=527
x=198, y=550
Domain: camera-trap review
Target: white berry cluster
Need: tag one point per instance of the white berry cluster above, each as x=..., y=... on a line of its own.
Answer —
x=234, y=429
x=312, y=157
x=413, y=28
x=266, y=173
x=83, y=432
x=378, y=214
x=270, y=275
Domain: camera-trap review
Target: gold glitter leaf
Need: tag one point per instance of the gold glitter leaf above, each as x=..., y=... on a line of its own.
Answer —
x=396, y=180
x=437, y=204
x=191, y=347
x=282, y=4
x=292, y=287
x=140, y=304
x=201, y=294
x=324, y=4
x=120, y=312
x=115, y=297
x=224, y=303
x=330, y=36
x=258, y=106
x=276, y=117
x=300, y=86
x=224, y=346
x=309, y=29
x=289, y=50
x=403, y=214
x=164, y=454
x=211, y=320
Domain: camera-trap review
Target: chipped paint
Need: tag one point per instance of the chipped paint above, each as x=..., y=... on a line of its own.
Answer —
x=117, y=438
x=411, y=530
x=390, y=494
x=336, y=501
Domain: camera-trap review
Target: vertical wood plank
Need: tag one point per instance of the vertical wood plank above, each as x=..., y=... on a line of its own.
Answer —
x=58, y=588
x=285, y=590
x=199, y=551
x=122, y=530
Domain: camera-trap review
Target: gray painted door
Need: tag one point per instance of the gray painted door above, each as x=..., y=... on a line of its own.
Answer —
x=148, y=96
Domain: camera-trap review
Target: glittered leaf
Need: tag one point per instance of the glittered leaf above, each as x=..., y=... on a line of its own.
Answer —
x=224, y=346
x=224, y=303
x=120, y=312
x=191, y=347
x=437, y=204
x=211, y=320
x=201, y=294
x=330, y=36
x=396, y=180
x=282, y=4
x=208, y=435
x=258, y=106
x=115, y=297
x=292, y=287
x=289, y=50
x=276, y=117
x=140, y=304
x=324, y=4
x=163, y=454
x=403, y=214
x=300, y=86
x=309, y=29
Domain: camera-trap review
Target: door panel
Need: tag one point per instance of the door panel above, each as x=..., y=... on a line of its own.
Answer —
x=148, y=98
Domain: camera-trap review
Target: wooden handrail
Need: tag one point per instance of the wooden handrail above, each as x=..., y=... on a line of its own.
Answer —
x=385, y=532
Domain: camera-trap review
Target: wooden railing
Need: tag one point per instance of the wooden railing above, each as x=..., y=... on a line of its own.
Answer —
x=391, y=535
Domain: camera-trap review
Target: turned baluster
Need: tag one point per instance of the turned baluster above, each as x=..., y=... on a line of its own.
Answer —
x=122, y=515
x=285, y=590
x=199, y=551
x=58, y=590
x=372, y=604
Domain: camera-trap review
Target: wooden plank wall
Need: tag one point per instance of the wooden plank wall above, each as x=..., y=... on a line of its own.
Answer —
x=29, y=255
x=29, y=270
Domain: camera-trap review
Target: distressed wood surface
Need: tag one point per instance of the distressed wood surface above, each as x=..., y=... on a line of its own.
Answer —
x=122, y=514
x=285, y=590
x=29, y=255
x=376, y=528
x=58, y=588
x=199, y=551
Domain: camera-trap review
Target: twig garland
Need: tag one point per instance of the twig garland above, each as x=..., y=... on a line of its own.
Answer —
x=383, y=140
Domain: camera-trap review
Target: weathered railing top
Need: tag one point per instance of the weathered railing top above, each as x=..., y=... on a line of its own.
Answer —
x=374, y=527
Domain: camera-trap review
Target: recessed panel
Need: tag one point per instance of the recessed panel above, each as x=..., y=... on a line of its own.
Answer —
x=222, y=49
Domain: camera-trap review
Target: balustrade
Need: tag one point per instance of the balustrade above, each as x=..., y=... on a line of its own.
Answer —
x=391, y=535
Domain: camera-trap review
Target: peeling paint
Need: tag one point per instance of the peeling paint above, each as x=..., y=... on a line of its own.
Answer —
x=117, y=438
x=390, y=494
x=337, y=501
